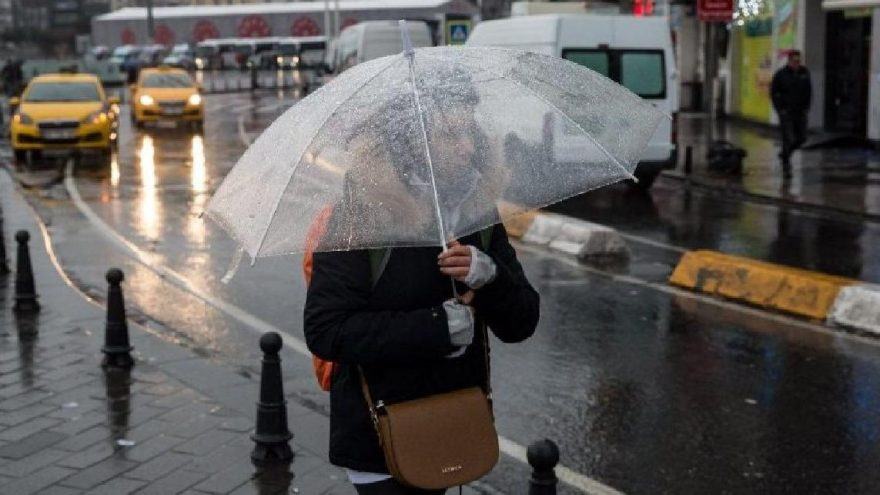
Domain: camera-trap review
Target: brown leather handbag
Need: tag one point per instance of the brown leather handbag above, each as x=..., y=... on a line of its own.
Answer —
x=439, y=441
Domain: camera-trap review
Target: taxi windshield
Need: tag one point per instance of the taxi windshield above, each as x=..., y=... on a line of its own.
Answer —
x=62, y=91
x=166, y=81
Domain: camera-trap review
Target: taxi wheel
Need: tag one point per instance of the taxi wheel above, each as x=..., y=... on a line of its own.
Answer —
x=106, y=156
x=137, y=124
x=21, y=157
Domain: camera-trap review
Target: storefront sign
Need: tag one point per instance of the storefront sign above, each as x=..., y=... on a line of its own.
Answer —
x=715, y=10
x=849, y=4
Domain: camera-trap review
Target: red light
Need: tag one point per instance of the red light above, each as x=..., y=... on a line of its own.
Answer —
x=649, y=7
x=638, y=8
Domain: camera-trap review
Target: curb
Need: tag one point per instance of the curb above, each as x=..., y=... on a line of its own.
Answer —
x=579, y=238
x=767, y=285
x=857, y=307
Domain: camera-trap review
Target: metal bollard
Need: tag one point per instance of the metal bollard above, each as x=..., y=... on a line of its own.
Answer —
x=117, y=350
x=272, y=436
x=25, y=291
x=688, y=160
x=543, y=456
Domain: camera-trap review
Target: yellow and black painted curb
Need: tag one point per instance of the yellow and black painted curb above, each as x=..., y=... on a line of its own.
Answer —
x=767, y=285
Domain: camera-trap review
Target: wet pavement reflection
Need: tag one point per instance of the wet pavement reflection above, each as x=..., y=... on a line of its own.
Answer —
x=702, y=220
x=273, y=480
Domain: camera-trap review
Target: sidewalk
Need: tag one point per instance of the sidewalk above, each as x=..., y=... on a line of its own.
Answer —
x=842, y=179
x=177, y=423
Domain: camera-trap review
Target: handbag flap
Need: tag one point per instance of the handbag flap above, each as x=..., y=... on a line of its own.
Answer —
x=441, y=441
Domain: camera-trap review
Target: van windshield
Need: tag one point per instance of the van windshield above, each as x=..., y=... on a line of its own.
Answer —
x=287, y=49
x=641, y=71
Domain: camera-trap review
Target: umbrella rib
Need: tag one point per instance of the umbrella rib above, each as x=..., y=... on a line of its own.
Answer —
x=309, y=143
x=564, y=115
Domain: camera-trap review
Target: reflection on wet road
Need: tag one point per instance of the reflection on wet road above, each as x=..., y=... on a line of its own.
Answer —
x=829, y=243
x=644, y=390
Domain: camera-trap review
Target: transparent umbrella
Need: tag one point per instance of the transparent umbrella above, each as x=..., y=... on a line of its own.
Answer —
x=428, y=146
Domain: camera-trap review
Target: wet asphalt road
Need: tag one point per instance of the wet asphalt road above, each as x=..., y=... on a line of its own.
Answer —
x=645, y=389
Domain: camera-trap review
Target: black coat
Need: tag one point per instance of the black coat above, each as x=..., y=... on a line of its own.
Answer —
x=791, y=90
x=398, y=333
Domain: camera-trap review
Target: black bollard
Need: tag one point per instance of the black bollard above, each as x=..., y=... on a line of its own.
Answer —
x=543, y=456
x=272, y=436
x=25, y=292
x=117, y=350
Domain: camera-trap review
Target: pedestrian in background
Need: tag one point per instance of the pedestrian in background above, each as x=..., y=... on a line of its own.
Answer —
x=791, y=93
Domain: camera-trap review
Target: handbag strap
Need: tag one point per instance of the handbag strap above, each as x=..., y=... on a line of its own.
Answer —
x=374, y=413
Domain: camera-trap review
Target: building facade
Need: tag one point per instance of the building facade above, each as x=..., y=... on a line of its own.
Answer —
x=839, y=46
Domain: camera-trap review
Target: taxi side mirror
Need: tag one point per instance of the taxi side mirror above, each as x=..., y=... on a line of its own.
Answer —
x=14, y=101
x=200, y=88
x=113, y=100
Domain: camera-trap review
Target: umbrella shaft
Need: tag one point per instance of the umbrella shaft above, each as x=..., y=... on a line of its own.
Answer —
x=418, y=104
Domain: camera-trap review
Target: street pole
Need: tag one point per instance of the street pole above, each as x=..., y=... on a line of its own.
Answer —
x=327, y=32
x=336, y=18
x=150, y=31
x=710, y=69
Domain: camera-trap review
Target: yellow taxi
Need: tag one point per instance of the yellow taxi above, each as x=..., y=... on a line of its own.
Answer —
x=166, y=95
x=62, y=113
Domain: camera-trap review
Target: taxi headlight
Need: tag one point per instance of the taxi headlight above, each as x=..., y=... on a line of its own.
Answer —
x=146, y=100
x=195, y=99
x=279, y=60
x=22, y=118
x=98, y=117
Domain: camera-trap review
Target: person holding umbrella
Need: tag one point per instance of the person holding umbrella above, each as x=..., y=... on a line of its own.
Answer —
x=410, y=155
x=411, y=331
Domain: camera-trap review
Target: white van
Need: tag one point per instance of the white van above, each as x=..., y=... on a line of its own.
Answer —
x=373, y=39
x=633, y=51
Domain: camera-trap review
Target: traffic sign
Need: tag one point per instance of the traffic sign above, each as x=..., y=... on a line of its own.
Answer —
x=715, y=10
x=457, y=32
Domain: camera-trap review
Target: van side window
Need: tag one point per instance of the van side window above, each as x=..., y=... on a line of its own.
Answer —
x=642, y=73
x=596, y=60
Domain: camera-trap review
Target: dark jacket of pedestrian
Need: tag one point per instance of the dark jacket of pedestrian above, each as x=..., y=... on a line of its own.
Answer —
x=398, y=332
x=791, y=90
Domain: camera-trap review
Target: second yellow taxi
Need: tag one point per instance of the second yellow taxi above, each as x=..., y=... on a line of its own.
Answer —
x=166, y=95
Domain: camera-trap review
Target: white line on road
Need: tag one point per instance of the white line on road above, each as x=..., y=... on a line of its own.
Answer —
x=255, y=324
x=651, y=242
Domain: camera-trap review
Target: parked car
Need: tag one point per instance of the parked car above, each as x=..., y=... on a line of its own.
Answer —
x=62, y=114
x=181, y=56
x=151, y=56
x=633, y=51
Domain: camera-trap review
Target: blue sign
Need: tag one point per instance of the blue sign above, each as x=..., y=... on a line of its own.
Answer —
x=457, y=32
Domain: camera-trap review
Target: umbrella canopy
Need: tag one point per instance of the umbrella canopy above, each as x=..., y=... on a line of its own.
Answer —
x=409, y=150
